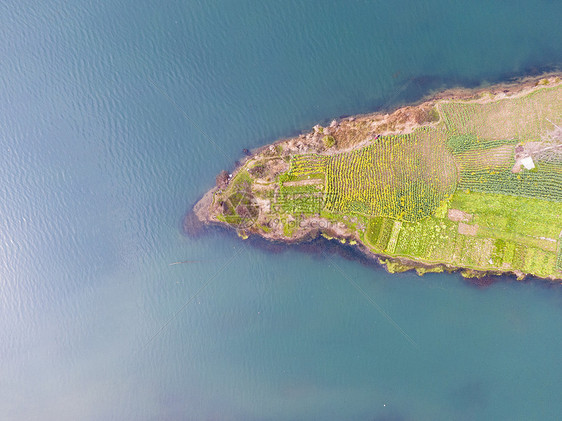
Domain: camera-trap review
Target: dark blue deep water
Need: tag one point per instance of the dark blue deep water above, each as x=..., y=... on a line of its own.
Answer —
x=115, y=116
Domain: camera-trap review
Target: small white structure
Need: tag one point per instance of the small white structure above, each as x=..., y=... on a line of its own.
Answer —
x=528, y=163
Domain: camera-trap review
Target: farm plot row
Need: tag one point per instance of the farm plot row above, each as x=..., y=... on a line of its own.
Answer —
x=402, y=177
x=540, y=184
x=304, y=199
x=307, y=165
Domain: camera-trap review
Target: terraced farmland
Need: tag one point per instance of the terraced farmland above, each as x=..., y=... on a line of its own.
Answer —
x=542, y=184
x=478, y=189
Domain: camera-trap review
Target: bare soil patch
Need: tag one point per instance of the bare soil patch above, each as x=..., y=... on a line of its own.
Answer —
x=466, y=229
x=457, y=215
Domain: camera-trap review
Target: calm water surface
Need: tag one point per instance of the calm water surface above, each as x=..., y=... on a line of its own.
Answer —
x=115, y=118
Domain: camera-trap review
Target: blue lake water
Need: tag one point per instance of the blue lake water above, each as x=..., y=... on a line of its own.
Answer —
x=114, y=119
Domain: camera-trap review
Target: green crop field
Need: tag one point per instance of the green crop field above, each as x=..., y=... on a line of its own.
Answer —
x=305, y=199
x=542, y=184
x=308, y=165
x=396, y=176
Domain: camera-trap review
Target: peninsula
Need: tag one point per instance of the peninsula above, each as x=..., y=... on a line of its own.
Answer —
x=467, y=180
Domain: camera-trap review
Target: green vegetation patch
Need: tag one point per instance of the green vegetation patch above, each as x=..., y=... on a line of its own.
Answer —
x=239, y=208
x=382, y=234
x=524, y=230
x=508, y=254
x=498, y=252
x=539, y=184
x=297, y=199
x=329, y=141
x=538, y=262
x=374, y=229
x=385, y=234
x=403, y=177
x=517, y=215
x=432, y=239
x=307, y=165
x=514, y=233
x=461, y=143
